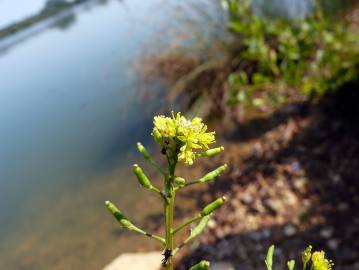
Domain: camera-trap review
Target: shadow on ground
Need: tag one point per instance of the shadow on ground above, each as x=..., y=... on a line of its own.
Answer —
x=299, y=185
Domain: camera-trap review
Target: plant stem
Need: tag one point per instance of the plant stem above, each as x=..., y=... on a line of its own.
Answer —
x=194, y=219
x=169, y=206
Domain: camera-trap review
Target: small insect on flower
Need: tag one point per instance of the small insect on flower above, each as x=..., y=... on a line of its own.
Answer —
x=167, y=254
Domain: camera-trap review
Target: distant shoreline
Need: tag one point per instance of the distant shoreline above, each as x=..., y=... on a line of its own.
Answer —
x=45, y=13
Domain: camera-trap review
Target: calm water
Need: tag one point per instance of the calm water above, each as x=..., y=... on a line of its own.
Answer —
x=72, y=108
x=71, y=112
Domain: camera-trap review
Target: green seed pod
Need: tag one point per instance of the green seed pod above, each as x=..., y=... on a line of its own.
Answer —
x=212, y=152
x=179, y=181
x=213, y=174
x=269, y=258
x=199, y=228
x=203, y=265
x=142, y=178
x=143, y=151
x=306, y=255
x=213, y=206
x=122, y=219
x=157, y=136
x=118, y=215
x=291, y=264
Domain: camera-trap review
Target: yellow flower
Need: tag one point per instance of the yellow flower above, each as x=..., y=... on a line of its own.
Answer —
x=189, y=135
x=319, y=262
x=165, y=126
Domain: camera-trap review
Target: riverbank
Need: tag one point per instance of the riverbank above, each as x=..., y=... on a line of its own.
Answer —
x=292, y=179
x=296, y=185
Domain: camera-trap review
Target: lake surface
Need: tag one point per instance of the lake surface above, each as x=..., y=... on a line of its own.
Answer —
x=72, y=108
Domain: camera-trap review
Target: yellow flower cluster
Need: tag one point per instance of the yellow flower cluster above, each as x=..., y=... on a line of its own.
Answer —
x=190, y=135
x=319, y=262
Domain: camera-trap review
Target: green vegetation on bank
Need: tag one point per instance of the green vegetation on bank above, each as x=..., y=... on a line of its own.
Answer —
x=314, y=55
x=310, y=260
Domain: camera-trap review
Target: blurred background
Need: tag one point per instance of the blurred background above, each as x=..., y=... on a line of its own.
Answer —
x=80, y=81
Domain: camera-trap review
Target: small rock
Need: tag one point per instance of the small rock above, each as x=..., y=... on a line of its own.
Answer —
x=289, y=230
x=247, y=198
x=266, y=233
x=343, y=206
x=336, y=178
x=299, y=184
x=274, y=205
x=136, y=261
x=333, y=244
x=296, y=166
x=212, y=224
x=326, y=232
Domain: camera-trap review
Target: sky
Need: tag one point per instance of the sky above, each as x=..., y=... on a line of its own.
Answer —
x=15, y=10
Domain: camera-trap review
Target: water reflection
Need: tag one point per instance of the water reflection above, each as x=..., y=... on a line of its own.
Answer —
x=284, y=8
x=70, y=114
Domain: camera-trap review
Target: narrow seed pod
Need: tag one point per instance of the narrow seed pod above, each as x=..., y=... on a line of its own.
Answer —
x=118, y=215
x=213, y=206
x=157, y=136
x=213, y=174
x=212, y=152
x=199, y=228
x=202, y=265
x=143, y=151
x=291, y=264
x=306, y=255
x=179, y=181
x=269, y=257
x=142, y=178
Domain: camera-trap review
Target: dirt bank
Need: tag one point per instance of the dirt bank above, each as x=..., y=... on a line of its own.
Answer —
x=294, y=181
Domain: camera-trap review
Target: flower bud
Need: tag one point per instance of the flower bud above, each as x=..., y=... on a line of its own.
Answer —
x=213, y=206
x=269, y=257
x=179, y=181
x=306, y=255
x=213, y=174
x=143, y=151
x=142, y=178
x=291, y=264
x=212, y=152
x=203, y=265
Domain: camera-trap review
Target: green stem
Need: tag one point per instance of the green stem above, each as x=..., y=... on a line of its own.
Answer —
x=169, y=207
x=194, y=219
